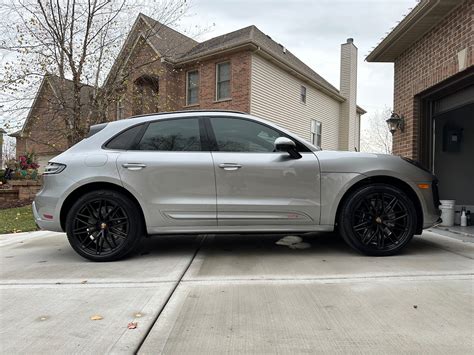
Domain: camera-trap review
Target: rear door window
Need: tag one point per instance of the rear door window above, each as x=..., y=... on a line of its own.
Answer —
x=178, y=135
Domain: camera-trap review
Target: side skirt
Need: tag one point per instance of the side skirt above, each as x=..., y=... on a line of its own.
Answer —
x=240, y=229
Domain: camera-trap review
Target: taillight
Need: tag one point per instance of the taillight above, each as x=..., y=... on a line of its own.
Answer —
x=53, y=168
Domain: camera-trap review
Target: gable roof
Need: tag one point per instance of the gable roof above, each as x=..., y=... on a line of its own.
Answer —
x=62, y=89
x=421, y=19
x=168, y=42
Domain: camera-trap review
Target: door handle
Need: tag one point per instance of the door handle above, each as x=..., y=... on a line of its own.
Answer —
x=134, y=166
x=230, y=166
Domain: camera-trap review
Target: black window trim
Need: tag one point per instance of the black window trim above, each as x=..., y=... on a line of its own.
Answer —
x=205, y=142
x=213, y=141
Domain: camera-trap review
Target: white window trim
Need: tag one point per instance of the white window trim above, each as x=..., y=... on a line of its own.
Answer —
x=314, y=134
x=187, y=86
x=230, y=82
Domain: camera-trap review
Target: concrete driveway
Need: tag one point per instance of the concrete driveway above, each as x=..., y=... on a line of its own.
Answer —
x=236, y=294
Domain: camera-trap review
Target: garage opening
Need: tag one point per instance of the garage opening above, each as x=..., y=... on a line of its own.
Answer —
x=447, y=140
x=454, y=154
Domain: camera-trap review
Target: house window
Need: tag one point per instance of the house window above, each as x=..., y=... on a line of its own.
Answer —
x=120, y=109
x=316, y=129
x=303, y=94
x=223, y=81
x=192, y=87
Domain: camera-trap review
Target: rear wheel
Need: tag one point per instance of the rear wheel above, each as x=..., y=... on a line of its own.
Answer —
x=104, y=225
x=378, y=219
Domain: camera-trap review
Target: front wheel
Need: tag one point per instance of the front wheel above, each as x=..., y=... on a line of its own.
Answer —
x=378, y=219
x=104, y=225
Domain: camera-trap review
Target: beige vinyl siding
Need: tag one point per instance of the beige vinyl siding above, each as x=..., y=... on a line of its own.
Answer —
x=276, y=96
x=356, y=134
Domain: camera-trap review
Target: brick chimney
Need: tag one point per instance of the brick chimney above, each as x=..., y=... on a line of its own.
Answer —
x=348, y=131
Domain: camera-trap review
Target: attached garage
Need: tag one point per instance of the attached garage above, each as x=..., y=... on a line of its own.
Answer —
x=433, y=55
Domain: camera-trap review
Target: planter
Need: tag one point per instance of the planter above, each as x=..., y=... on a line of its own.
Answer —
x=27, y=189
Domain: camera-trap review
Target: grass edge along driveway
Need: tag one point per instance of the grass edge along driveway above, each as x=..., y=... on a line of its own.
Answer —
x=16, y=220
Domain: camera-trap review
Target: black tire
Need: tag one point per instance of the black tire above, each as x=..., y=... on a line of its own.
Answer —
x=104, y=225
x=378, y=219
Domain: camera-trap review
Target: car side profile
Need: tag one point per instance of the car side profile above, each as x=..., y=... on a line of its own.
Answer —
x=226, y=172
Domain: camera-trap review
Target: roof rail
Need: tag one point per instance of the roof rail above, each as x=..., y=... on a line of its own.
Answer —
x=187, y=111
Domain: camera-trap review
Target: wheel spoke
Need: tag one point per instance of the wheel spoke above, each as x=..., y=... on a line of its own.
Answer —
x=83, y=229
x=380, y=238
x=362, y=225
x=371, y=236
x=106, y=239
x=118, y=232
x=112, y=212
x=388, y=208
x=398, y=218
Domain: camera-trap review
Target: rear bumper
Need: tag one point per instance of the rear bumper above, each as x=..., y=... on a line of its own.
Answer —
x=43, y=223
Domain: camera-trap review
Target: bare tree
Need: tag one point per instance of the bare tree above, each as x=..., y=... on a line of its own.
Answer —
x=77, y=41
x=8, y=149
x=375, y=136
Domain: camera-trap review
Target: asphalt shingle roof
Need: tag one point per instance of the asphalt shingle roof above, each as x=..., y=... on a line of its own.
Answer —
x=252, y=35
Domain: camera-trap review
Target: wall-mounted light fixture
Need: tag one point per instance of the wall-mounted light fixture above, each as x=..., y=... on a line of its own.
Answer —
x=396, y=122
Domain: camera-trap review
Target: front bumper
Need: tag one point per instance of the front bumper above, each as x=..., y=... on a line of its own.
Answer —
x=430, y=202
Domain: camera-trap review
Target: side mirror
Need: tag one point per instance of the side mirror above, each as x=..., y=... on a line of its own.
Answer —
x=283, y=144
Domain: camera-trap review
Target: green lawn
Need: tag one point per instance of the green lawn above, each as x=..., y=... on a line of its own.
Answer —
x=16, y=220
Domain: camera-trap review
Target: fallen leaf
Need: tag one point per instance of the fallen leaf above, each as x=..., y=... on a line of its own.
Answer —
x=138, y=315
x=97, y=317
x=132, y=325
x=84, y=282
x=415, y=306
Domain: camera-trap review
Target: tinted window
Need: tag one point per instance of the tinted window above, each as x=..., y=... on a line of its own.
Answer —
x=172, y=135
x=124, y=139
x=236, y=135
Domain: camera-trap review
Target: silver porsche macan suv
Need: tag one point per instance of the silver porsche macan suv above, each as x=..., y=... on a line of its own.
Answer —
x=226, y=172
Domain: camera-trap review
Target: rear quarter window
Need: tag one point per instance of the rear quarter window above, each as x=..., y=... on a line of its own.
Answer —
x=125, y=139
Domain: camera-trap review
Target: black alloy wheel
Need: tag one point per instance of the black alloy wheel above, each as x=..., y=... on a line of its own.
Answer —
x=104, y=226
x=378, y=219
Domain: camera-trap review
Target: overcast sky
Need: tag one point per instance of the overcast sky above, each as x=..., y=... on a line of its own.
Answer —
x=313, y=31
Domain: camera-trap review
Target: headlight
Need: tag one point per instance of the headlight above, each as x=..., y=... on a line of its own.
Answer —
x=54, y=168
x=417, y=164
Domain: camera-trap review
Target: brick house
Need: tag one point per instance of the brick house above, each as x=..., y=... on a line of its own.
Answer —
x=43, y=131
x=433, y=55
x=160, y=69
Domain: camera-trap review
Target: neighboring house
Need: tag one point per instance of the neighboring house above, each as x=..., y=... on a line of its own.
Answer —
x=159, y=69
x=432, y=49
x=44, y=130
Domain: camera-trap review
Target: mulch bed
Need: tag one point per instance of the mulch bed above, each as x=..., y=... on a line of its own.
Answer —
x=12, y=204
